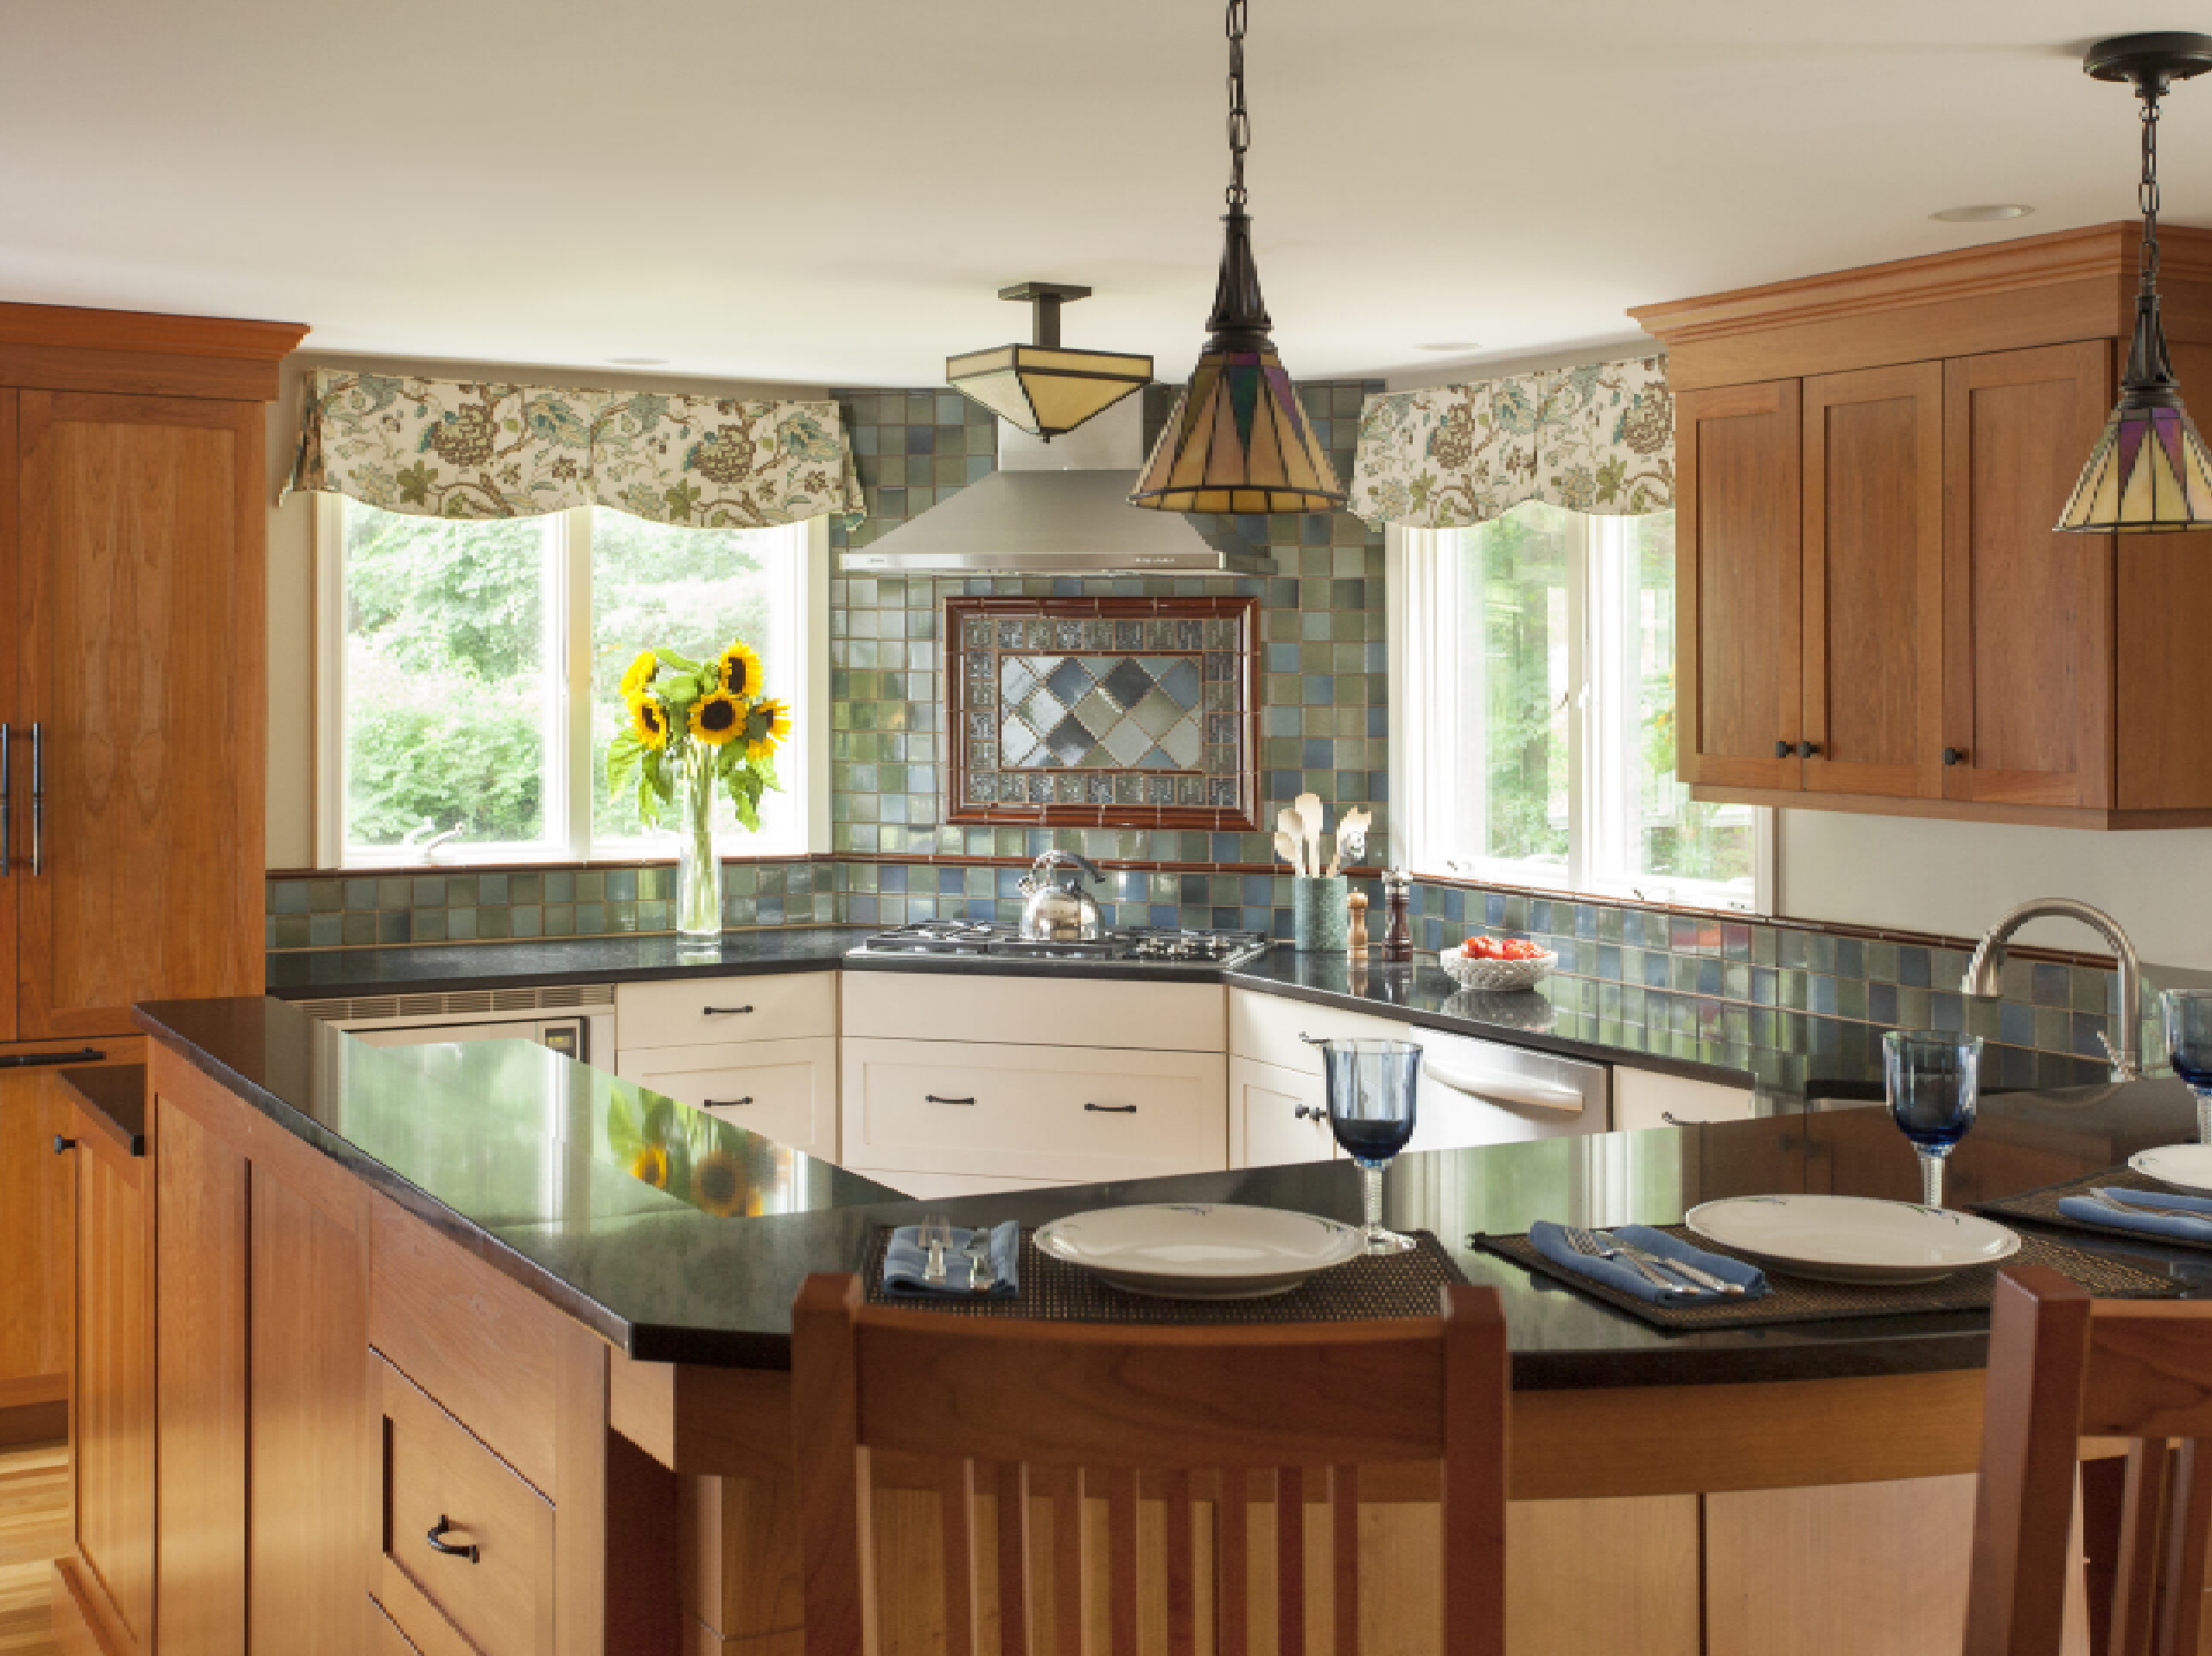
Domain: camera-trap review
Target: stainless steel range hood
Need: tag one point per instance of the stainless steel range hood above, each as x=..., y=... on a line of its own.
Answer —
x=1058, y=509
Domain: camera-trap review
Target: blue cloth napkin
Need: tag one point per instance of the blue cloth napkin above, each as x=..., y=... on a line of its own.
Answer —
x=906, y=1259
x=2186, y=1219
x=1550, y=1241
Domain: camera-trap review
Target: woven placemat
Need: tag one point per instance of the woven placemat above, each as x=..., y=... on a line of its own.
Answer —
x=1398, y=1284
x=2042, y=1207
x=1795, y=1299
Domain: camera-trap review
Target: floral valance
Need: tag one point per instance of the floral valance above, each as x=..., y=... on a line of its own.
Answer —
x=1598, y=438
x=459, y=448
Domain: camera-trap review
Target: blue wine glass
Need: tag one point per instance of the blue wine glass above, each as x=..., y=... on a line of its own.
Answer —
x=1934, y=1083
x=2188, y=1045
x=1372, y=1088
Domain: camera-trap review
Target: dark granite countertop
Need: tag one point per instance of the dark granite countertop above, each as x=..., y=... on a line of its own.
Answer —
x=329, y=973
x=683, y=1238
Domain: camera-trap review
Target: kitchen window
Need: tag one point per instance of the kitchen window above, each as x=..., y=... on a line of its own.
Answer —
x=1534, y=708
x=468, y=677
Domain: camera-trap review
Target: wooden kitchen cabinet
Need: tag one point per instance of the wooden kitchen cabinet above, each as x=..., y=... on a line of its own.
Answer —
x=1883, y=620
x=1277, y=1116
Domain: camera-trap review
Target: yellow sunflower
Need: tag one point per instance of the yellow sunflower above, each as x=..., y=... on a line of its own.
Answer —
x=649, y=721
x=641, y=673
x=739, y=670
x=769, y=724
x=651, y=1165
x=718, y=1183
x=716, y=717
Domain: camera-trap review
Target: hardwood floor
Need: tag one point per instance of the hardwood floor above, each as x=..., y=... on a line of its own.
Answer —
x=34, y=1529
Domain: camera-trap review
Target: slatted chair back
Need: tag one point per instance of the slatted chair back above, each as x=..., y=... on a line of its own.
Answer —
x=2063, y=1366
x=1031, y=1412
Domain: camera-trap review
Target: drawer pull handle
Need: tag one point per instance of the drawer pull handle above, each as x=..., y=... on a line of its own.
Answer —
x=1308, y=1112
x=722, y=1011
x=438, y=1529
x=1112, y=1109
x=1313, y=1040
x=934, y=1098
x=726, y=1103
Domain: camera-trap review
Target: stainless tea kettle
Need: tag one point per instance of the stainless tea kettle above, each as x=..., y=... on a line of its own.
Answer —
x=1057, y=913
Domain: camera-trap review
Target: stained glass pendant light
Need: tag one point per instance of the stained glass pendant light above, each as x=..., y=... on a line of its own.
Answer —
x=1038, y=387
x=1238, y=440
x=2149, y=473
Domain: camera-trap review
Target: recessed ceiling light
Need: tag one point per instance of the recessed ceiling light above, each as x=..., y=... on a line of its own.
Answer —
x=1451, y=344
x=639, y=362
x=1989, y=214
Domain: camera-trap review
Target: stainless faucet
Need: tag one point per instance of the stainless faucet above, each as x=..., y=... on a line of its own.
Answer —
x=1981, y=978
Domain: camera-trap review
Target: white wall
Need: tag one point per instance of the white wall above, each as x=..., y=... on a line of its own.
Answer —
x=1957, y=877
x=291, y=566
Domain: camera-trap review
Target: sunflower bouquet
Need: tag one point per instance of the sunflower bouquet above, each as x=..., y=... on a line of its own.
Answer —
x=708, y=725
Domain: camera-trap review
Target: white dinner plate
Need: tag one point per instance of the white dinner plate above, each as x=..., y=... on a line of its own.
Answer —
x=2189, y=1166
x=1852, y=1239
x=1199, y=1250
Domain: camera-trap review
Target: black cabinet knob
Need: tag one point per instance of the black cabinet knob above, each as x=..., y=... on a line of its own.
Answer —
x=1782, y=750
x=1954, y=756
x=61, y=1143
x=1806, y=750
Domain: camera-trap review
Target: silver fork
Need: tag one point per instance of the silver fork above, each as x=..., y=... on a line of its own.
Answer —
x=1702, y=1277
x=1585, y=1242
x=981, y=1273
x=937, y=1232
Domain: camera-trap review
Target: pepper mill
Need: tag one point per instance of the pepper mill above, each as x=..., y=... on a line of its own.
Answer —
x=1398, y=931
x=1355, y=928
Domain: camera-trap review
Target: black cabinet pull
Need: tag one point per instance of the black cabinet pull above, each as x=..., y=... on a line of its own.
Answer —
x=38, y=799
x=934, y=1098
x=723, y=1011
x=7, y=803
x=61, y=1143
x=1954, y=756
x=1308, y=1112
x=726, y=1103
x=1782, y=750
x=1806, y=750
x=438, y=1529
x=1112, y=1109
x=31, y=1060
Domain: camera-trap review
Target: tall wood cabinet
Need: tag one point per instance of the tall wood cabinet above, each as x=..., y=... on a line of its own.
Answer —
x=132, y=721
x=1875, y=613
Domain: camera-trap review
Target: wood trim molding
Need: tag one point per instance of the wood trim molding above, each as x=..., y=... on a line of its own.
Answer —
x=154, y=332
x=1957, y=810
x=2106, y=252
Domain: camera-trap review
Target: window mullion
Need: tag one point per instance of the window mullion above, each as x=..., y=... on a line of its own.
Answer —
x=1582, y=797
x=575, y=645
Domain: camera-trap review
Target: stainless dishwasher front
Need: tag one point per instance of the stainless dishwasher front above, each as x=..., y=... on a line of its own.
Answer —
x=1478, y=1092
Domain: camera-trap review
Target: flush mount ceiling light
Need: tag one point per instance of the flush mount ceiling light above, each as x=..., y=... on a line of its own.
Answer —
x=1449, y=344
x=1238, y=440
x=1986, y=215
x=2149, y=473
x=1038, y=387
x=639, y=362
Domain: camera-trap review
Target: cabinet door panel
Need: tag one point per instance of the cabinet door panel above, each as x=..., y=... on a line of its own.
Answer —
x=2028, y=612
x=35, y=1239
x=784, y=1090
x=1266, y=1128
x=1873, y=639
x=142, y=639
x=1737, y=529
x=112, y=1392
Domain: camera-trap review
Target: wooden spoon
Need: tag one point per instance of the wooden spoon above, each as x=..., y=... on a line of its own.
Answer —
x=1309, y=813
x=1288, y=827
x=1287, y=848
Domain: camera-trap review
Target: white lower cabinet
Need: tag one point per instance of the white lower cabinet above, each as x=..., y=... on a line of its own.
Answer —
x=1277, y=1116
x=1646, y=1098
x=1033, y=1114
x=784, y=1090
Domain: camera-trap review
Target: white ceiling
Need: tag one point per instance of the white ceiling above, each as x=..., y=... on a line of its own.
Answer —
x=832, y=190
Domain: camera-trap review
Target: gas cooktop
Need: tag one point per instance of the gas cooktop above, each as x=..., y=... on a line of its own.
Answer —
x=1135, y=946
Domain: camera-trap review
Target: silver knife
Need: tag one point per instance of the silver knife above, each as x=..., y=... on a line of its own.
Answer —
x=1688, y=1272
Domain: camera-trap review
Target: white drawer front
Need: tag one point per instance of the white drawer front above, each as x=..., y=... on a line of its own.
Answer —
x=925, y=1005
x=1646, y=1098
x=1277, y=1116
x=688, y=1012
x=784, y=1090
x=1268, y=1027
x=1051, y=1114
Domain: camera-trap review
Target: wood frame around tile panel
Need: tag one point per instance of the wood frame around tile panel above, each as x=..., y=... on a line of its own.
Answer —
x=1245, y=610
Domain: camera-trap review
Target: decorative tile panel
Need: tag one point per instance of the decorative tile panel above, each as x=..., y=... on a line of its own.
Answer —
x=1105, y=712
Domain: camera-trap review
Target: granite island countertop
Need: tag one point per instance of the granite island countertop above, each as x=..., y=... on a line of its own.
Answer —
x=546, y=1168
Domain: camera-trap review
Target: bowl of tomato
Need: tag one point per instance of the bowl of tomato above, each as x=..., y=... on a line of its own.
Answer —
x=1498, y=963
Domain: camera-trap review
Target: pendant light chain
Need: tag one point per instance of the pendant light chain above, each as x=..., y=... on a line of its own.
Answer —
x=2147, y=192
x=1240, y=120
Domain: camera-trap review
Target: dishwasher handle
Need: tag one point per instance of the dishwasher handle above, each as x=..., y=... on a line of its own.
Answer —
x=1525, y=1090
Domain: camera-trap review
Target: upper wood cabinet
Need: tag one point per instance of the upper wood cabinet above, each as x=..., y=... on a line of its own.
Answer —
x=1882, y=619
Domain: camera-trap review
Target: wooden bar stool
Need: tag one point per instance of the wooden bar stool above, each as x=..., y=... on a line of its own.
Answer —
x=1030, y=1412
x=2063, y=1366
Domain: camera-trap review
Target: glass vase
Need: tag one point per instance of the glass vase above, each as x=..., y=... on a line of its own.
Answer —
x=698, y=870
